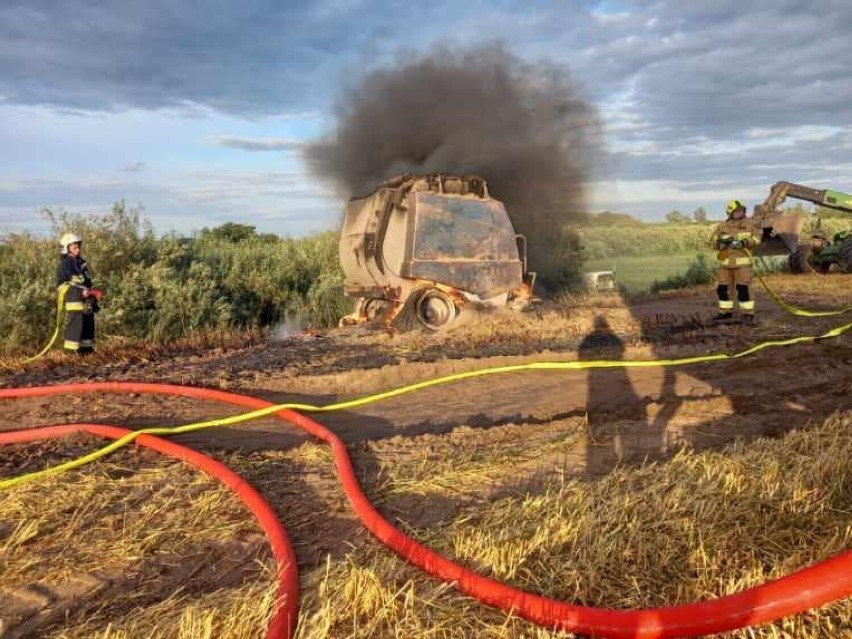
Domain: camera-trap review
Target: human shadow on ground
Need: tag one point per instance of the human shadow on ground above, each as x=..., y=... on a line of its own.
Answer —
x=616, y=430
x=762, y=395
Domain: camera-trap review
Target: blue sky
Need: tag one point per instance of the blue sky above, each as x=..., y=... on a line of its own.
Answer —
x=199, y=112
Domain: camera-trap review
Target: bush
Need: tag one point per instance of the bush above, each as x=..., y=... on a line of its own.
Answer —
x=163, y=289
x=651, y=239
x=700, y=271
x=559, y=266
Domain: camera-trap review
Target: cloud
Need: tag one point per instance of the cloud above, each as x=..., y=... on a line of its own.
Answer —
x=259, y=144
x=717, y=65
x=706, y=92
x=134, y=167
x=722, y=67
x=279, y=202
x=251, y=58
x=759, y=155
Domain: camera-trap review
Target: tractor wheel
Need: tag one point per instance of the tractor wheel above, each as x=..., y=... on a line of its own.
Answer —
x=799, y=261
x=435, y=309
x=822, y=267
x=845, y=259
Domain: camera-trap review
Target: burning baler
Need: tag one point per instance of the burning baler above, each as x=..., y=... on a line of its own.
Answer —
x=424, y=246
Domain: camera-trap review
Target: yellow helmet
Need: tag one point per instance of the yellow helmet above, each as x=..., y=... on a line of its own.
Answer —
x=732, y=206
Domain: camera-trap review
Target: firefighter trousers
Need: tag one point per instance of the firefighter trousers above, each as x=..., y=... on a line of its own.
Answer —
x=80, y=331
x=727, y=280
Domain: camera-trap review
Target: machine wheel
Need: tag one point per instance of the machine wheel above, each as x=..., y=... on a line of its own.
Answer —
x=822, y=267
x=435, y=309
x=373, y=307
x=845, y=260
x=799, y=261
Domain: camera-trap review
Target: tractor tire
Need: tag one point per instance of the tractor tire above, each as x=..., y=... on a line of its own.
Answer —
x=845, y=260
x=799, y=261
x=822, y=267
x=434, y=309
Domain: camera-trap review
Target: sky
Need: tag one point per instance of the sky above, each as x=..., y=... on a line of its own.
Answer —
x=198, y=111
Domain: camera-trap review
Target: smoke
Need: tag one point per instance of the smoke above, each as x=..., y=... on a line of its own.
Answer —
x=524, y=127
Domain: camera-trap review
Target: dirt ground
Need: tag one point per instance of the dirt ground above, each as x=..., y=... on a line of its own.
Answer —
x=550, y=424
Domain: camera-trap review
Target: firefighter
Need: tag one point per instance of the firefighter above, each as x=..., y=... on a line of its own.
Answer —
x=734, y=265
x=81, y=298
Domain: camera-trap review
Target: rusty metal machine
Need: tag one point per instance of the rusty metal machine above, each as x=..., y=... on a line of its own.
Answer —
x=424, y=246
x=782, y=232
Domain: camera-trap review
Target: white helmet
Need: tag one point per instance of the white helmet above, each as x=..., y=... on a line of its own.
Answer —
x=68, y=239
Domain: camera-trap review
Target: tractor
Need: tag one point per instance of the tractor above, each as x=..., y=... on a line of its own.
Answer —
x=782, y=232
x=823, y=252
x=422, y=247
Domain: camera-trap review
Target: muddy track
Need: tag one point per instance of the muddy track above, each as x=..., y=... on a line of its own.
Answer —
x=534, y=428
x=794, y=384
x=606, y=417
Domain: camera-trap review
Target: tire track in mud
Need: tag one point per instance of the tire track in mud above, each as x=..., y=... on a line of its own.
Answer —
x=579, y=424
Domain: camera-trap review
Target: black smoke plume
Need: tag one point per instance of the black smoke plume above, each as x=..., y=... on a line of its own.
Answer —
x=524, y=127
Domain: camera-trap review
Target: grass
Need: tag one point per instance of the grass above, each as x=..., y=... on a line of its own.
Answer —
x=637, y=274
x=155, y=539
x=693, y=527
x=127, y=350
x=641, y=274
x=697, y=526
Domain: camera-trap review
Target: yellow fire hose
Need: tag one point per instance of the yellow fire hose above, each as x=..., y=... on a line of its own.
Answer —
x=793, y=310
x=60, y=309
x=799, y=312
x=362, y=401
x=813, y=586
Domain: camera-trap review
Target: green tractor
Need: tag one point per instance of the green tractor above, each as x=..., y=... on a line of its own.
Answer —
x=823, y=252
x=782, y=233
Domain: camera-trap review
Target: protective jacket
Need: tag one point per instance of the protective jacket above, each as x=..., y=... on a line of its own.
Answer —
x=742, y=230
x=73, y=272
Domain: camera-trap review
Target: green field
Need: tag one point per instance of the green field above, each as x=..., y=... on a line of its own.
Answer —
x=637, y=274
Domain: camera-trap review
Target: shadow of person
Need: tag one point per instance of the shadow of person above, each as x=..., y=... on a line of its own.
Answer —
x=611, y=405
x=730, y=401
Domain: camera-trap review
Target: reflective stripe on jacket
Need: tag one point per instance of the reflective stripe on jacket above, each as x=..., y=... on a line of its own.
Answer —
x=75, y=271
x=743, y=230
x=733, y=262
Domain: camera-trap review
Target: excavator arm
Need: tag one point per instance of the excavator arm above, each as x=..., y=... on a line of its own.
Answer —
x=825, y=197
x=781, y=233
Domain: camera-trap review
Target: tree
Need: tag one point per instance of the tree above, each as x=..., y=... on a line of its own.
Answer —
x=675, y=217
x=609, y=218
x=231, y=232
x=825, y=212
x=699, y=215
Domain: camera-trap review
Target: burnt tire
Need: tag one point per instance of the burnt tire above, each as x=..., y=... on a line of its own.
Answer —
x=434, y=309
x=374, y=307
x=845, y=259
x=799, y=261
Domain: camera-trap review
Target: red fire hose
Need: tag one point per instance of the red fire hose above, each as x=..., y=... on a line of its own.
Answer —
x=817, y=585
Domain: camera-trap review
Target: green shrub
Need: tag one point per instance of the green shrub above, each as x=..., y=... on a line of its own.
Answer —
x=165, y=288
x=636, y=241
x=560, y=266
x=700, y=271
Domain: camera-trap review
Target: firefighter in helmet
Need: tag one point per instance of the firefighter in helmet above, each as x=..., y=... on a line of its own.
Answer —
x=731, y=238
x=81, y=297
